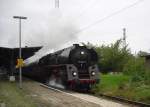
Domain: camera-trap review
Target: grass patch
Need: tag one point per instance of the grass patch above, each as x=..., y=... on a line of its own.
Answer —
x=120, y=85
x=110, y=83
x=12, y=96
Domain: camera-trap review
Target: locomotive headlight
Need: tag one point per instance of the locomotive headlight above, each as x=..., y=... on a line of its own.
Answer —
x=92, y=73
x=74, y=73
x=82, y=52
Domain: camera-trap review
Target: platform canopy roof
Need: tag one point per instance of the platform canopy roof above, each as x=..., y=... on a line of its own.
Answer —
x=8, y=56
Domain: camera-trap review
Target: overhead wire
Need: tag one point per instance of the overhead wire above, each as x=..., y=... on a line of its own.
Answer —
x=110, y=15
x=83, y=8
x=86, y=8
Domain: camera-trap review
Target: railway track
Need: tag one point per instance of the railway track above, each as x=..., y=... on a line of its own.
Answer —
x=116, y=99
x=141, y=104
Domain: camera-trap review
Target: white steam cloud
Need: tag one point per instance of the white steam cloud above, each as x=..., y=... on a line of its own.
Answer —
x=55, y=31
x=53, y=82
x=45, y=26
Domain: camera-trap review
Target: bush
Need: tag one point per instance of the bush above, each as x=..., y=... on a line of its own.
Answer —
x=113, y=57
x=147, y=77
x=135, y=67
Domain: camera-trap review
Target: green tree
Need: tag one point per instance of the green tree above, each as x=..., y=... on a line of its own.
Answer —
x=113, y=57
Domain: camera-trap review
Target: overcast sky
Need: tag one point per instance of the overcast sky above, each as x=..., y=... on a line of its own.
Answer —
x=76, y=15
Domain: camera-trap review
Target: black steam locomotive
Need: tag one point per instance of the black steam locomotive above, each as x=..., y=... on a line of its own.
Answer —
x=72, y=67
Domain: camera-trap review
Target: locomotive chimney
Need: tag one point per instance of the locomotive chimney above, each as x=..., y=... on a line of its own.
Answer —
x=76, y=45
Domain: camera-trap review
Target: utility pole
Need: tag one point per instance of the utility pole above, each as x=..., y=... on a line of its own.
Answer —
x=20, y=56
x=124, y=36
x=56, y=3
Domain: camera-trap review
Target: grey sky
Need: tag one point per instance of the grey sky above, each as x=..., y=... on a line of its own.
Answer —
x=76, y=14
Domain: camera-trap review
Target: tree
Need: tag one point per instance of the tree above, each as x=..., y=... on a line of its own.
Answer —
x=112, y=57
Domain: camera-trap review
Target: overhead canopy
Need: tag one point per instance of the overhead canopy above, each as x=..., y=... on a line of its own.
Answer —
x=8, y=56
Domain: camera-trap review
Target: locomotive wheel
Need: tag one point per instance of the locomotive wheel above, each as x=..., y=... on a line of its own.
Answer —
x=72, y=87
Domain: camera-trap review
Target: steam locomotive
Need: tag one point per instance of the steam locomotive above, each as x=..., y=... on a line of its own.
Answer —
x=72, y=67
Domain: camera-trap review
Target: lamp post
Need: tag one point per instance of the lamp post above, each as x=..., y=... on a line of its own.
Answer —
x=20, y=57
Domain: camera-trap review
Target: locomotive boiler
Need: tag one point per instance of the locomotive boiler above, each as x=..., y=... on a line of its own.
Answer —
x=73, y=67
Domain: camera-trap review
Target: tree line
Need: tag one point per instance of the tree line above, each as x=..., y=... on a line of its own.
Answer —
x=117, y=58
